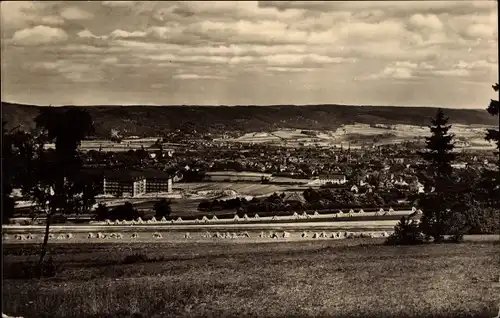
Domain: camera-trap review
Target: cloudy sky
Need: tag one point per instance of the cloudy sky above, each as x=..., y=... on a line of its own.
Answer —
x=424, y=53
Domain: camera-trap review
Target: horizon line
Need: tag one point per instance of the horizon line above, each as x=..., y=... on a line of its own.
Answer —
x=240, y=105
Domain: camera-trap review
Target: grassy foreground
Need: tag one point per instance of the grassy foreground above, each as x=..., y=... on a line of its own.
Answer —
x=344, y=278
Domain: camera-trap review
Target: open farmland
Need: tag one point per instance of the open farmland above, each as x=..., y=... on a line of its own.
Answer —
x=108, y=145
x=364, y=133
x=250, y=189
x=348, y=278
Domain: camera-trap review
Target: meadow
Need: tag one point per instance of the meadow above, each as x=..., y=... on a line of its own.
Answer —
x=345, y=278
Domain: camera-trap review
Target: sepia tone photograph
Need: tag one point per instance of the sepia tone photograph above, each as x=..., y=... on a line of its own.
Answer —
x=250, y=159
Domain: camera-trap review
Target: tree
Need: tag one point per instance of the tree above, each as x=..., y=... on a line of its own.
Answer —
x=493, y=134
x=492, y=178
x=53, y=181
x=102, y=212
x=162, y=208
x=439, y=156
x=7, y=158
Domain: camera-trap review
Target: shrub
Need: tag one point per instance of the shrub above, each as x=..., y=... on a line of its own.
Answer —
x=477, y=219
x=406, y=232
x=162, y=209
x=102, y=212
x=124, y=212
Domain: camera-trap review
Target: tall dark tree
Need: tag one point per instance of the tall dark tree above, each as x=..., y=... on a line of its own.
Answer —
x=439, y=157
x=493, y=177
x=54, y=180
x=439, y=152
x=7, y=160
x=494, y=134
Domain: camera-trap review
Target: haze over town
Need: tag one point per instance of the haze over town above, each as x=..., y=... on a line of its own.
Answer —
x=422, y=53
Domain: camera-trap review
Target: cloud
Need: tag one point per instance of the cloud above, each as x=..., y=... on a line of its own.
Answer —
x=453, y=72
x=52, y=20
x=290, y=69
x=75, y=72
x=301, y=59
x=402, y=70
x=395, y=8
x=125, y=34
x=75, y=13
x=16, y=15
x=114, y=4
x=473, y=64
x=39, y=35
x=110, y=60
x=195, y=76
x=86, y=34
x=480, y=30
x=271, y=60
x=406, y=64
x=428, y=21
x=395, y=72
x=373, y=31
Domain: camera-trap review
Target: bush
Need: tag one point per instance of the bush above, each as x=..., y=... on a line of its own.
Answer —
x=462, y=214
x=478, y=219
x=406, y=232
x=124, y=212
x=162, y=209
x=102, y=212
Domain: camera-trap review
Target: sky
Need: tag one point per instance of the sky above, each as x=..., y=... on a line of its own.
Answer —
x=399, y=53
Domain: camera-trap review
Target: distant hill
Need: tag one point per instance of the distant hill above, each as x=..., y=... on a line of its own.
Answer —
x=156, y=120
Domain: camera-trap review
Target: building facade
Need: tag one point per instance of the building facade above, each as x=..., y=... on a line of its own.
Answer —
x=135, y=183
x=124, y=186
x=159, y=185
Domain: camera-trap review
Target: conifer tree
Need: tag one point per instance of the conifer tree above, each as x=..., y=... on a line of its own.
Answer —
x=438, y=154
x=493, y=177
x=437, y=205
x=494, y=110
x=494, y=134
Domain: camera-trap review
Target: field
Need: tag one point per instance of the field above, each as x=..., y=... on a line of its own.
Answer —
x=357, y=134
x=345, y=278
x=242, y=188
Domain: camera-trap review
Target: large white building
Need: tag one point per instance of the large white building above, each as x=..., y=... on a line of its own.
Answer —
x=135, y=183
